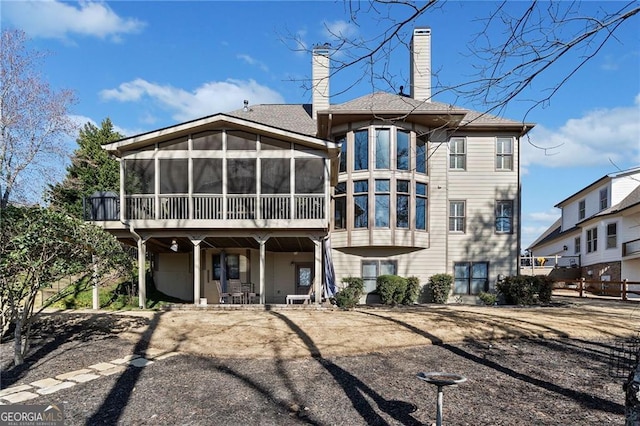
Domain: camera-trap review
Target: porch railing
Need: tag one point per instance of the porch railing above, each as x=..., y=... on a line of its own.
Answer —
x=631, y=247
x=238, y=207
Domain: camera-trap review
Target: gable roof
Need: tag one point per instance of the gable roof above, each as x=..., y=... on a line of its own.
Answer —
x=598, y=182
x=631, y=200
x=214, y=122
x=403, y=108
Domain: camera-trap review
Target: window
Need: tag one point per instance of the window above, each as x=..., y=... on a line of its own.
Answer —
x=239, y=140
x=421, y=154
x=581, y=209
x=504, y=217
x=402, y=204
x=382, y=197
x=275, y=176
x=269, y=144
x=612, y=235
x=360, y=204
x=456, y=216
x=470, y=277
x=371, y=269
x=207, y=141
x=402, y=150
x=421, y=206
x=180, y=144
x=340, y=206
x=343, y=152
x=231, y=267
x=174, y=176
x=383, y=148
x=139, y=176
x=592, y=240
x=576, y=245
x=241, y=176
x=504, y=154
x=457, y=154
x=309, y=178
x=207, y=176
x=361, y=150
x=604, y=199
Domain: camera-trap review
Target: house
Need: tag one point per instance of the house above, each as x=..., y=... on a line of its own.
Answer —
x=266, y=198
x=600, y=224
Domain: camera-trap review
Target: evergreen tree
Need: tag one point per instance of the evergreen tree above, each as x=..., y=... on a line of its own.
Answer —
x=91, y=170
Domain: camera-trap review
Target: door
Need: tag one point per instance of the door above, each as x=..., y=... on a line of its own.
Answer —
x=304, y=278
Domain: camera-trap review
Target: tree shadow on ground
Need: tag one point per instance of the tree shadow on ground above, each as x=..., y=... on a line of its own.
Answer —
x=585, y=399
x=49, y=334
x=115, y=402
x=355, y=389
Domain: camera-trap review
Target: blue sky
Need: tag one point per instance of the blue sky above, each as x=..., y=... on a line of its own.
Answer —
x=148, y=65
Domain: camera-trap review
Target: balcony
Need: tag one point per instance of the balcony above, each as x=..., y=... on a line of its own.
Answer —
x=631, y=248
x=215, y=210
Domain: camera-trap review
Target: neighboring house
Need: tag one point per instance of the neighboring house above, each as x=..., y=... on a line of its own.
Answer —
x=398, y=183
x=600, y=224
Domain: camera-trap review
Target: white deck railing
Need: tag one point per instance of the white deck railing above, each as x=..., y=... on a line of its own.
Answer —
x=238, y=207
x=140, y=207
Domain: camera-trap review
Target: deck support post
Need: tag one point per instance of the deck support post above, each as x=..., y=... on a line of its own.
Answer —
x=142, y=273
x=317, y=276
x=197, y=274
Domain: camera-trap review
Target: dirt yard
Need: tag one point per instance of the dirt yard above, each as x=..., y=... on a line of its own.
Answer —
x=542, y=366
x=297, y=333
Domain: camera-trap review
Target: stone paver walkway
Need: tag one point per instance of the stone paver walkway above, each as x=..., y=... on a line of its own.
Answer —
x=20, y=393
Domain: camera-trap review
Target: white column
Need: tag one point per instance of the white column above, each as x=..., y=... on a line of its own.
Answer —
x=263, y=263
x=196, y=271
x=317, y=276
x=94, y=278
x=123, y=203
x=142, y=270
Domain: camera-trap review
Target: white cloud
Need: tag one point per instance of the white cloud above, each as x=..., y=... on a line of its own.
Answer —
x=339, y=29
x=253, y=62
x=598, y=138
x=55, y=19
x=210, y=98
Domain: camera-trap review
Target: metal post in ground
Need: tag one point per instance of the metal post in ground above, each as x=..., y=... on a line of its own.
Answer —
x=441, y=380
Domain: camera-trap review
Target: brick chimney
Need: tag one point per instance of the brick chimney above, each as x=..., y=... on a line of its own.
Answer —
x=320, y=78
x=421, y=64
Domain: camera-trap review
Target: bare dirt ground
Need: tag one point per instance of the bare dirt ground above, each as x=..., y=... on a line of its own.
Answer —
x=542, y=365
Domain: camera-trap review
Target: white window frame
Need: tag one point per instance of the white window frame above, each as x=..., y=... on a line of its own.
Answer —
x=612, y=238
x=582, y=209
x=604, y=198
x=457, y=156
x=592, y=240
x=504, y=154
x=500, y=215
x=458, y=217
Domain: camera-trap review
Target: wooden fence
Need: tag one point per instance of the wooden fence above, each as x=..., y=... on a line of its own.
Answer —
x=625, y=289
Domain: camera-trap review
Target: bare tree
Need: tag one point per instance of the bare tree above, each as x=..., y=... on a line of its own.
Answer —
x=34, y=120
x=520, y=42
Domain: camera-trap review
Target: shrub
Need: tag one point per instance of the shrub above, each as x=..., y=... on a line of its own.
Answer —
x=412, y=292
x=350, y=295
x=391, y=289
x=526, y=290
x=488, y=299
x=545, y=288
x=439, y=287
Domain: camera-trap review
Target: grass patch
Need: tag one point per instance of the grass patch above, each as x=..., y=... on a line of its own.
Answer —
x=114, y=297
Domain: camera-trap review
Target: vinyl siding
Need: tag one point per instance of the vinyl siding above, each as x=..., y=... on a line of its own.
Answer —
x=480, y=186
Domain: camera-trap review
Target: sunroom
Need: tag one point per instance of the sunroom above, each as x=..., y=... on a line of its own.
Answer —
x=233, y=200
